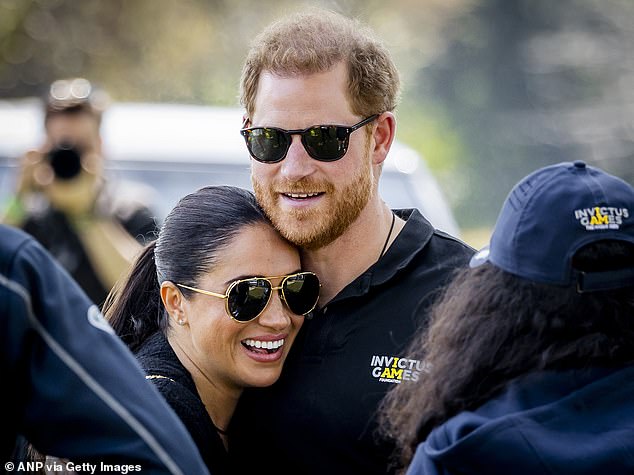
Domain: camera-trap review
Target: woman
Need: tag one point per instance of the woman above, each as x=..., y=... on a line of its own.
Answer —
x=530, y=351
x=212, y=307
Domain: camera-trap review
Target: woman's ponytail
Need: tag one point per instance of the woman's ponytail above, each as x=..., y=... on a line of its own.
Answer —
x=134, y=307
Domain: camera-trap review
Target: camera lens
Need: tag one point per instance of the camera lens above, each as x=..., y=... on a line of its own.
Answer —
x=65, y=161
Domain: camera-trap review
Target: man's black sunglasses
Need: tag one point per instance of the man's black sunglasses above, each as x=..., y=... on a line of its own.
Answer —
x=325, y=143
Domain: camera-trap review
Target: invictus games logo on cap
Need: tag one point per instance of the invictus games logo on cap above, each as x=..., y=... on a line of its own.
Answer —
x=601, y=217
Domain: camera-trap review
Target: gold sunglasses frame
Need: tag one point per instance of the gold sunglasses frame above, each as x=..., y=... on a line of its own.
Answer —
x=225, y=296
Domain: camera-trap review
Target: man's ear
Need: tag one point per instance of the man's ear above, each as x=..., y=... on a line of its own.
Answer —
x=174, y=302
x=383, y=134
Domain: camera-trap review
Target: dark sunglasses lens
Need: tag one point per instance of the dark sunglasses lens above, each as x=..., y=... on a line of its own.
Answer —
x=301, y=292
x=267, y=145
x=248, y=298
x=326, y=142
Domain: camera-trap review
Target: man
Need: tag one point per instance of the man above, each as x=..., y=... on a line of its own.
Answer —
x=71, y=387
x=63, y=200
x=379, y=269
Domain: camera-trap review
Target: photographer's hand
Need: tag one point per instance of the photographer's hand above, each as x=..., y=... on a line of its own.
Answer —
x=34, y=173
x=75, y=196
x=33, y=176
x=36, y=176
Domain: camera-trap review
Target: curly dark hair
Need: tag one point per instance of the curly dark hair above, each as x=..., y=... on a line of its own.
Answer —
x=490, y=327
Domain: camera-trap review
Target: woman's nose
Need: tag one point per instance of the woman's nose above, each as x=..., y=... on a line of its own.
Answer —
x=276, y=314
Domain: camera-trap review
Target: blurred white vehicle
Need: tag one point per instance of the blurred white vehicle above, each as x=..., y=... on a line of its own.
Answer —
x=175, y=149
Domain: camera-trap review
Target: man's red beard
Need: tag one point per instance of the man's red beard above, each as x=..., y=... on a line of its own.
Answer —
x=319, y=226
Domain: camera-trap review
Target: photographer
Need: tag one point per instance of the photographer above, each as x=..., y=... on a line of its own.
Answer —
x=91, y=226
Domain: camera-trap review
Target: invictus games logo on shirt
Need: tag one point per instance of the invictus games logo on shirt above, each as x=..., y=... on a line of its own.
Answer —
x=601, y=217
x=392, y=369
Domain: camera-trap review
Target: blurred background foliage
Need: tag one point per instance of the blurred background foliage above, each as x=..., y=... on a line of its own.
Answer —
x=492, y=88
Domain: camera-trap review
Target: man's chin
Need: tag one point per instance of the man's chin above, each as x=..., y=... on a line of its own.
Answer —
x=297, y=233
x=304, y=236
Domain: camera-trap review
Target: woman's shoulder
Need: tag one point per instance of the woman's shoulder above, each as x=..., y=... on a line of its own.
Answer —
x=163, y=368
x=173, y=381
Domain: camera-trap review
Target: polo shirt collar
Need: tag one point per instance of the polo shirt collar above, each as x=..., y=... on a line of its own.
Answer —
x=411, y=240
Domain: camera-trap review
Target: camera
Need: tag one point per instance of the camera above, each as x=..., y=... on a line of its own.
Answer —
x=65, y=160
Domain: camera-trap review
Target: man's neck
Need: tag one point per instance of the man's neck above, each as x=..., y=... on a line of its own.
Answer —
x=352, y=253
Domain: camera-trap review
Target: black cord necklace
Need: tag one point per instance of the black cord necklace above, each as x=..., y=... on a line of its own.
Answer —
x=218, y=429
x=389, y=235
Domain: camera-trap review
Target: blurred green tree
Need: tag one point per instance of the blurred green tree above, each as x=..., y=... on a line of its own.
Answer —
x=492, y=88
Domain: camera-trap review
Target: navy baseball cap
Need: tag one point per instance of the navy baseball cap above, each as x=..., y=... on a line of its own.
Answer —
x=552, y=213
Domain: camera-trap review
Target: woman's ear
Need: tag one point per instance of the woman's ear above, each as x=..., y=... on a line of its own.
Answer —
x=174, y=302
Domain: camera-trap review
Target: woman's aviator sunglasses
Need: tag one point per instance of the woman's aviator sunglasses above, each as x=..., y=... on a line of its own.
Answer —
x=246, y=299
x=325, y=143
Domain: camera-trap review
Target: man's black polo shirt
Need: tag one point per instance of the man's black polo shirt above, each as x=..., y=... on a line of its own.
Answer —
x=319, y=417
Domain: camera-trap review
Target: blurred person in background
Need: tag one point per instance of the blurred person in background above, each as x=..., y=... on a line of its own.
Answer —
x=530, y=353
x=70, y=386
x=212, y=307
x=93, y=227
x=320, y=93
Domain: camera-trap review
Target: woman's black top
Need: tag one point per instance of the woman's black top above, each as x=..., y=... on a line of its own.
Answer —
x=176, y=385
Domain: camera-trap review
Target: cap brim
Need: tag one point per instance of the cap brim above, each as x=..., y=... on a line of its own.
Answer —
x=480, y=257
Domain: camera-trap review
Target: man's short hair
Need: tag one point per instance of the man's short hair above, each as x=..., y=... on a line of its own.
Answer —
x=314, y=42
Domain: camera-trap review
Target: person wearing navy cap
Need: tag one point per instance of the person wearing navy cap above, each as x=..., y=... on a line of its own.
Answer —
x=530, y=351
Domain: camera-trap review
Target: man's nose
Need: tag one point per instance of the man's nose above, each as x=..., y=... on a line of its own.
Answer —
x=297, y=163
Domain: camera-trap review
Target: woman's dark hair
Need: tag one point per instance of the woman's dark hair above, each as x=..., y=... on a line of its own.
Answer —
x=490, y=327
x=199, y=227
